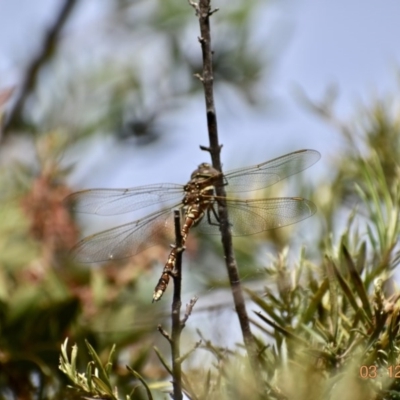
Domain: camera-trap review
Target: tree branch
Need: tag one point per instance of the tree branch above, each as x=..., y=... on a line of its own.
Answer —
x=32, y=70
x=203, y=12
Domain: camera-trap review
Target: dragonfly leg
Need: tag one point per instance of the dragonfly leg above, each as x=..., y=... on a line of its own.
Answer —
x=215, y=216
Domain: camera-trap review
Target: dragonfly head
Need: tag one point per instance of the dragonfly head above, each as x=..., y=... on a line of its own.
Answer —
x=205, y=171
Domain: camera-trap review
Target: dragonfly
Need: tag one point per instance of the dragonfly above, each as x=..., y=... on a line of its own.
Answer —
x=197, y=201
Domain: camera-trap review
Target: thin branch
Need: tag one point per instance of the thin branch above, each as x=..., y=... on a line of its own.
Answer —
x=164, y=333
x=189, y=309
x=177, y=323
x=32, y=70
x=187, y=354
x=203, y=11
x=175, y=315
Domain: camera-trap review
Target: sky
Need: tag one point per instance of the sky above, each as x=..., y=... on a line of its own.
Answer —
x=352, y=44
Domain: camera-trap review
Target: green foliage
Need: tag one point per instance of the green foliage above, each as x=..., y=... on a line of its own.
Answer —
x=96, y=380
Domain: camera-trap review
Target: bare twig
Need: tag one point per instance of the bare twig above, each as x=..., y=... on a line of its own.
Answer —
x=32, y=70
x=176, y=308
x=177, y=323
x=189, y=309
x=203, y=11
x=164, y=333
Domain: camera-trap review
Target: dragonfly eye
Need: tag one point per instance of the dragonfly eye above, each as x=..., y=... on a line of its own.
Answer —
x=204, y=166
x=202, y=171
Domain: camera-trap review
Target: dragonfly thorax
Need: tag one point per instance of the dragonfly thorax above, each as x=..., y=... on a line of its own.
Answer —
x=199, y=194
x=201, y=187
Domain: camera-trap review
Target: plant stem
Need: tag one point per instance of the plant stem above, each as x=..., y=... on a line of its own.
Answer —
x=203, y=12
x=175, y=315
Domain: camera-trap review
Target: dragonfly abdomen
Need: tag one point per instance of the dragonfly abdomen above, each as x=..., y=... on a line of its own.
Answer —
x=193, y=215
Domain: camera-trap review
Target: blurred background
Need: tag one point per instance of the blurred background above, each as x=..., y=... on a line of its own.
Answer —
x=102, y=94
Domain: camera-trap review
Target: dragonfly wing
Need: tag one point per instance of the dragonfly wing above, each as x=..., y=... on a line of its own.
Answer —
x=272, y=171
x=120, y=201
x=248, y=217
x=126, y=240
